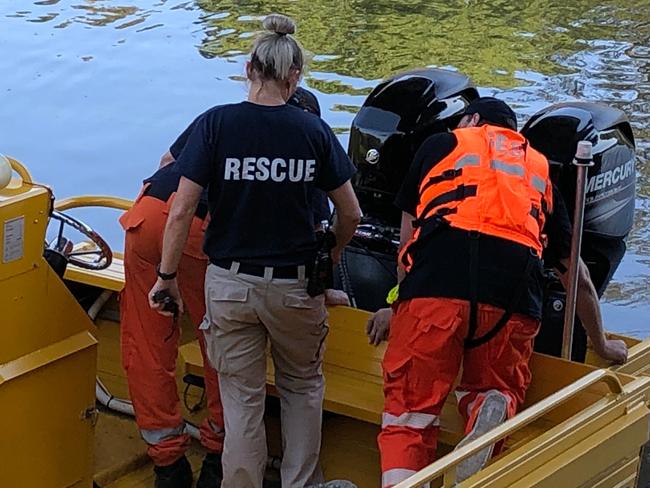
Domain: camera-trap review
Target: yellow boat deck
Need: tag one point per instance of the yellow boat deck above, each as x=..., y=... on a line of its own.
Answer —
x=581, y=426
x=353, y=396
x=353, y=392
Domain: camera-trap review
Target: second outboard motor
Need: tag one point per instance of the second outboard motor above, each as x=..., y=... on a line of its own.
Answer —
x=398, y=115
x=609, y=206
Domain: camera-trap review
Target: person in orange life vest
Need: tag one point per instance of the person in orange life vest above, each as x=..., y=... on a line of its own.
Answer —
x=474, y=204
x=150, y=341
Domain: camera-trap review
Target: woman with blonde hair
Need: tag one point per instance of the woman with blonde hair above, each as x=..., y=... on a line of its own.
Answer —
x=261, y=161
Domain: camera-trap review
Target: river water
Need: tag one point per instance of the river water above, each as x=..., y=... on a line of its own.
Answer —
x=92, y=92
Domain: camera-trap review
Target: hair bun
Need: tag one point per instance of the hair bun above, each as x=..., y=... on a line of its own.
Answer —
x=280, y=24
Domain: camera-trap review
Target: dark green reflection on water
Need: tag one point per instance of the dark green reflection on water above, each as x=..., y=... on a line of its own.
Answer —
x=490, y=41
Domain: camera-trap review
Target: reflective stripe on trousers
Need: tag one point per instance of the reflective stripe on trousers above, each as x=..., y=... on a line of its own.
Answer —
x=153, y=437
x=422, y=361
x=410, y=419
x=394, y=476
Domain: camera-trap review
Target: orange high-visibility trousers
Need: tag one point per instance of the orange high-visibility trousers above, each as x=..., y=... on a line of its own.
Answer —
x=422, y=361
x=150, y=340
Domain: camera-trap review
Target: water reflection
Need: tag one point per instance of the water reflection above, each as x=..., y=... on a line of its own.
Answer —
x=490, y=41
x=109, y=83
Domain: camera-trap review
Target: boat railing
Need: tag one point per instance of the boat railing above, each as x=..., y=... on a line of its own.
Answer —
x=93, y=201
x=446, y=466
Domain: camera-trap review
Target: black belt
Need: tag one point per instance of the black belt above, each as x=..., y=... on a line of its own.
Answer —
x=279, y=272
x=161, y=194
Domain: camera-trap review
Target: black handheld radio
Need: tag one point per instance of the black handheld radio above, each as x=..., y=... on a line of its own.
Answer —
x=322, y=273
x=169, y=304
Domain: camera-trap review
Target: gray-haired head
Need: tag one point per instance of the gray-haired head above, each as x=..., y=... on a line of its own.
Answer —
x=275, y=51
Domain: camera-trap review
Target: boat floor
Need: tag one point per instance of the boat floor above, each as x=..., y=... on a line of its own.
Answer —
x=354, y=377
x=349, y=446
x=121, y=459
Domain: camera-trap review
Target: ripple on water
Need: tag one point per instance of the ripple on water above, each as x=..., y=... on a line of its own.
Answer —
x=109, y=84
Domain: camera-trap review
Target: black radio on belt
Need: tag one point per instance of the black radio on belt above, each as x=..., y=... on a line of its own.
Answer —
x=322, y=273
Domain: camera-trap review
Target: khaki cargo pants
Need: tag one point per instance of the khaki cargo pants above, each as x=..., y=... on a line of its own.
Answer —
x=242, y=311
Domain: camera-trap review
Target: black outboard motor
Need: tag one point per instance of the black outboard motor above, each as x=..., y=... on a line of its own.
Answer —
x=609, y=206
x=395, y=119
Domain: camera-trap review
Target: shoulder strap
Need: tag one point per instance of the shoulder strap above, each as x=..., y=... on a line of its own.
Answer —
x=472, y=342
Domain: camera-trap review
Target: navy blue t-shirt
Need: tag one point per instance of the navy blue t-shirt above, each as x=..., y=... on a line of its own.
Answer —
x=262, y=166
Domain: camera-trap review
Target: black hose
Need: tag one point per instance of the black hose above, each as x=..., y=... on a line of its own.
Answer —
x=346, y=281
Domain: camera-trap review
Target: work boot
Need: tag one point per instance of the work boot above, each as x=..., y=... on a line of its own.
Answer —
x=177, y=475
x=492, y=413
x=211, y=471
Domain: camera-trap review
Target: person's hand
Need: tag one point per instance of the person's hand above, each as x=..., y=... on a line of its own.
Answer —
x=336, y=297
x=613, y=350
x=378, y=326
x=171, y=286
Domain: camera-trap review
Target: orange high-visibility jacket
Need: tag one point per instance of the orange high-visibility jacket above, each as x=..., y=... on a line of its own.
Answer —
x=493, y=182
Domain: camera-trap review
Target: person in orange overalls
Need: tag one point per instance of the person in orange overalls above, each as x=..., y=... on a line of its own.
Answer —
x=474, y=204
x=150, y=340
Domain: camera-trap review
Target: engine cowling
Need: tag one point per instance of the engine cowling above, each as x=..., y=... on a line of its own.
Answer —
x=610, y=199
x=398, y=115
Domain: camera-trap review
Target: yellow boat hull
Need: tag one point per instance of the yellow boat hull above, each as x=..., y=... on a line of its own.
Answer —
x=583, y=424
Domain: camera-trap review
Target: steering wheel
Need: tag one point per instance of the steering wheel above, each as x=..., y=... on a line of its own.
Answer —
x=97, y=258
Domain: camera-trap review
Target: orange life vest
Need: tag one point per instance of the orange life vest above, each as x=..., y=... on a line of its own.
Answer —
x=493, y=183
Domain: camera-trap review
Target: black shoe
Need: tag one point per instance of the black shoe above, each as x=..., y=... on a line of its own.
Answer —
x=177, y=475
x=211, y=471
x=267, y=483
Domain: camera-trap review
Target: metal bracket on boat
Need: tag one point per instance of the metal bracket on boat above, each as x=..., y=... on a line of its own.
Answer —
x=91, y=414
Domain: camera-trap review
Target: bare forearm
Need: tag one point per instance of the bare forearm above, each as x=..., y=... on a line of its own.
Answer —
x=348, y=215
x=344, y=228
x=405, y=235
x=176, y=232
x=588, y=307
x=178, y=224
x=588, y=310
